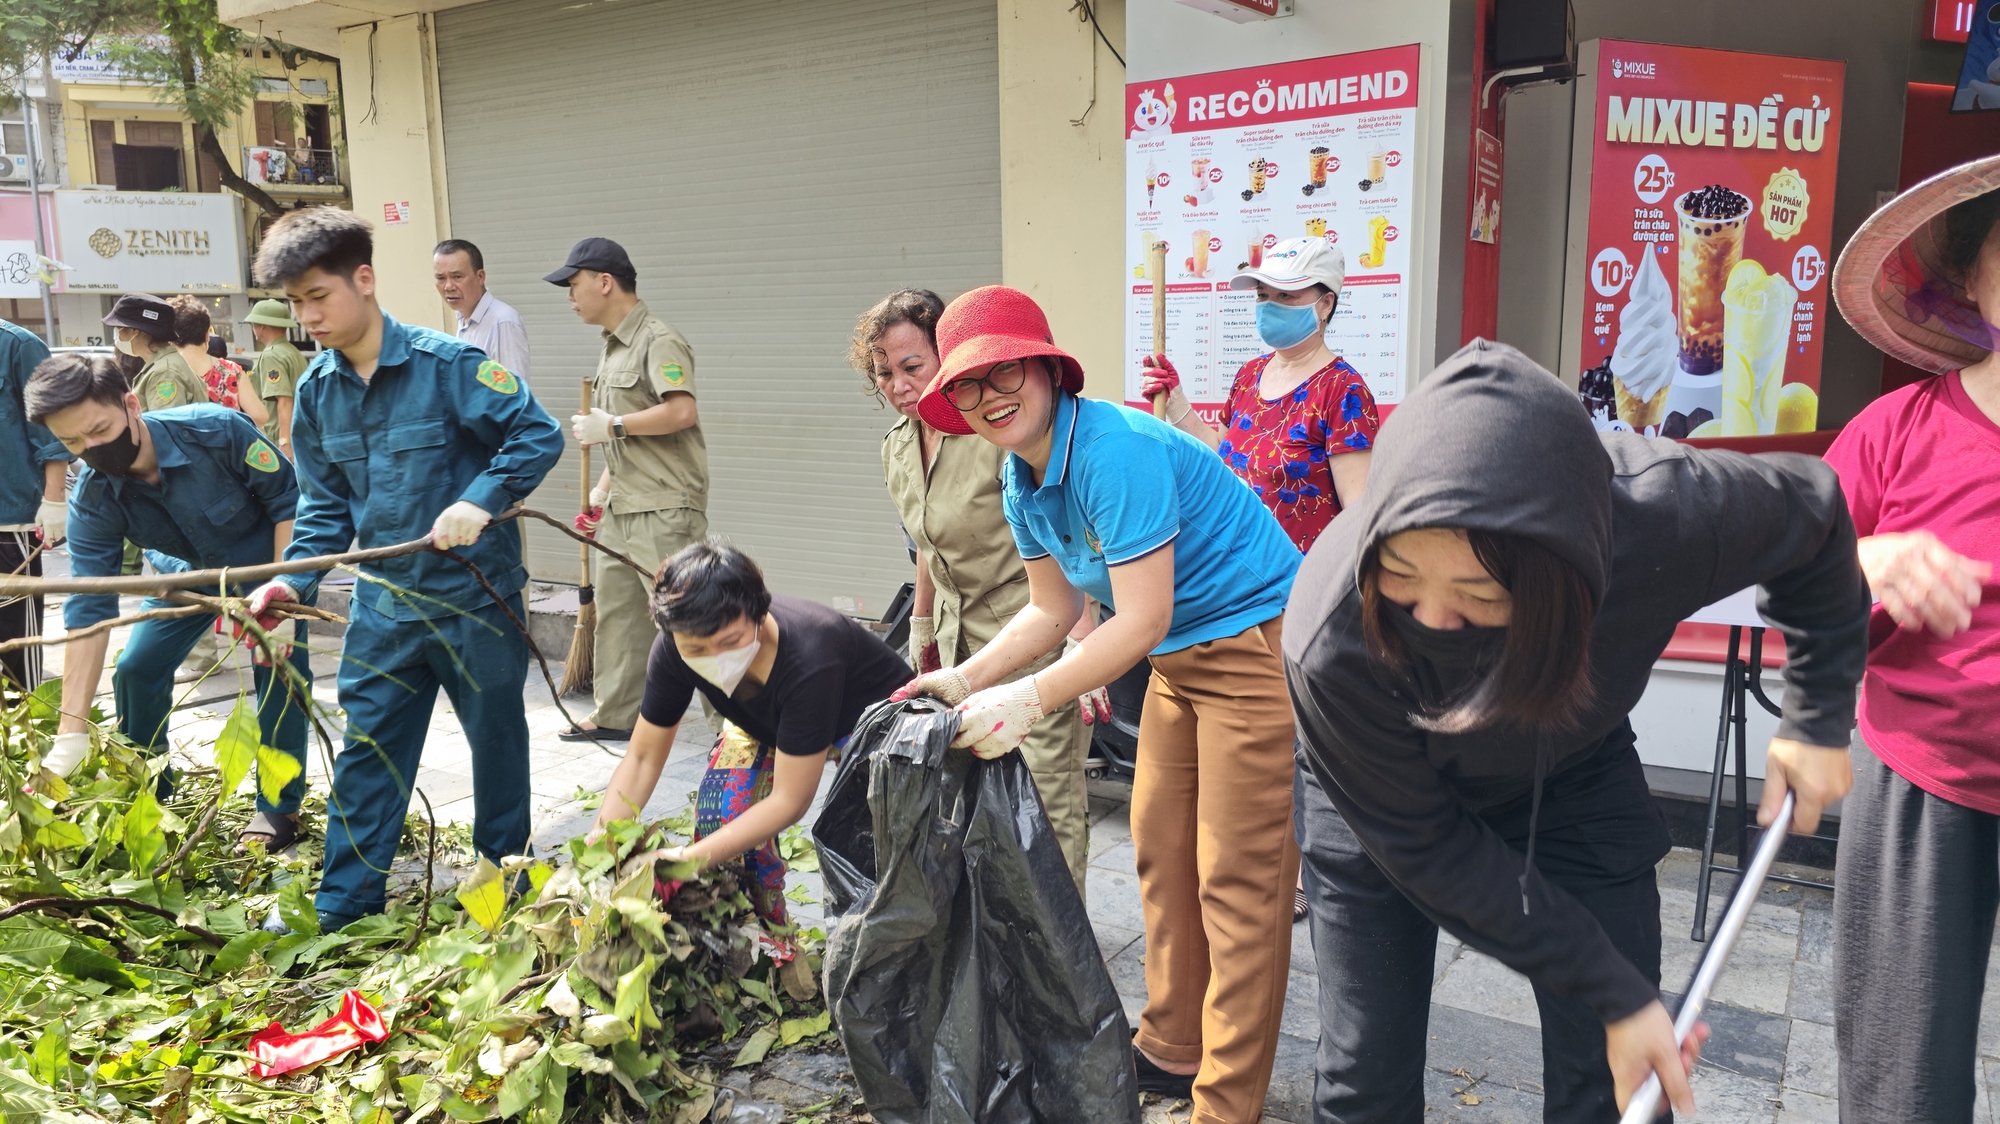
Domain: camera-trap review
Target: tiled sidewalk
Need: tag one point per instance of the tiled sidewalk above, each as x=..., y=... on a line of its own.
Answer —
x=1771, y=1059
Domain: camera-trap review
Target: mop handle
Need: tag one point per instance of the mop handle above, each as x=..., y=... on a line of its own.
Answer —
x=1645, y=1106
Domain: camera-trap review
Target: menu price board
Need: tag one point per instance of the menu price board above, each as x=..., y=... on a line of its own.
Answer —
x=1225, y=165
x=1699, y=290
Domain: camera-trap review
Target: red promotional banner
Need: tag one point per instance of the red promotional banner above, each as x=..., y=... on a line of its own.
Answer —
x=1708, y=245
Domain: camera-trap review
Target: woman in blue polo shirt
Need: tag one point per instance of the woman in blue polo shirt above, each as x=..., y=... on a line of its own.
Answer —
x=1106, y=501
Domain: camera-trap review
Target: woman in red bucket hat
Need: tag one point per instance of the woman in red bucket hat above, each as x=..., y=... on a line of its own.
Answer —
x=1106, y=501
x=1916, y=883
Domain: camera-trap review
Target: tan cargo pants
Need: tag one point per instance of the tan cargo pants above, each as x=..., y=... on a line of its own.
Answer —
x=625, y=628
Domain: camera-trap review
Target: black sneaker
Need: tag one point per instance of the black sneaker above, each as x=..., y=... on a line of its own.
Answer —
x=1153, y=1079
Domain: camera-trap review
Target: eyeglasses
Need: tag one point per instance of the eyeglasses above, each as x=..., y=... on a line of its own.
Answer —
x=966, y=394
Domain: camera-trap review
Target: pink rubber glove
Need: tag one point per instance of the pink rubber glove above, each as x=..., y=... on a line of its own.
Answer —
x=258, y=605
x=1161, y=377
x=587, y=521
x=996, y=721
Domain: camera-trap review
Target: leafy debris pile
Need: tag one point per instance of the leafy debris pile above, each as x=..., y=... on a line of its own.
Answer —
x=137, y=963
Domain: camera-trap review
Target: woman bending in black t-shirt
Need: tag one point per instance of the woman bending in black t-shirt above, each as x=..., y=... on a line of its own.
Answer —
x=792, y=675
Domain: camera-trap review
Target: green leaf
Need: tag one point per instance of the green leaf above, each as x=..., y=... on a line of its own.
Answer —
x=754, y=1050
x=524, y=1084
x=793, y=1031
x=60, y=835
x=81, y=963
x=635, y=995
x=236, y=747
x=33, y=948
x=51, y=1058
x=295, y=908
x=145, y=843
x=275, y=770
x=237, y=952
x=484, y=895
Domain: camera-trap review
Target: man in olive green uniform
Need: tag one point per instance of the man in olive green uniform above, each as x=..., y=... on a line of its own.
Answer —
x=652, y=498
x=952, y=512
x=143, y=326
x=278, y=370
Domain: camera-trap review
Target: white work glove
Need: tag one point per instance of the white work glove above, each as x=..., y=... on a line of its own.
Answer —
x=52, y=520
x=1096, y=704
x=997, y=720
x=67, y=753
x=946, y=684
x=459, y=525
x=258, y=605
x=600, y=496
x=593, y=428
x=923, y=645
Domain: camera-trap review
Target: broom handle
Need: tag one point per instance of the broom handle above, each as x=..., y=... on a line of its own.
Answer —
x=1156, y=264
x=583, y=549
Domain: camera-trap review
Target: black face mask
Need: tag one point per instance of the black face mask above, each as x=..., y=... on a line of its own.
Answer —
x=114, y=457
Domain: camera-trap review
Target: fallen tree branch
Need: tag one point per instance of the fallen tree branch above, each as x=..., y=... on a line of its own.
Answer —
x=196, y=607
x=60, y=904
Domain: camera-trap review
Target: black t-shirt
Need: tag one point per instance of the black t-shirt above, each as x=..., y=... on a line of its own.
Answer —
x=829, y=669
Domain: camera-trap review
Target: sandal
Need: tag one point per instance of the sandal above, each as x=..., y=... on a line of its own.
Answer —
x=276, y=829
x=1301, y=908
x=594, y=734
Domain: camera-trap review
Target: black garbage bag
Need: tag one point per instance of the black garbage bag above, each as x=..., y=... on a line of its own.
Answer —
x=961, y=969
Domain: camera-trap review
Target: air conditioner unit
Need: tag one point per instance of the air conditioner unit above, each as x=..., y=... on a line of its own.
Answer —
x=13, y=167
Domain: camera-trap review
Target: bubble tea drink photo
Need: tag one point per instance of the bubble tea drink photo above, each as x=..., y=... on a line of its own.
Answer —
x=1316, y=167
x=1711, y=243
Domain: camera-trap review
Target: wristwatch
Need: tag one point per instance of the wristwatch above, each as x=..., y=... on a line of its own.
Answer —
x=618, y=426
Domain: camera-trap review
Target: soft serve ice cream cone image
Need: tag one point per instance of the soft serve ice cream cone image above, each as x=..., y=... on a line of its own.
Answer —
x=1642, y=367
x=1756, y=332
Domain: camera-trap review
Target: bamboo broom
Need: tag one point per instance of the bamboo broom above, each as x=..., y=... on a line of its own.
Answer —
x=579, y=669
x=1156, y=264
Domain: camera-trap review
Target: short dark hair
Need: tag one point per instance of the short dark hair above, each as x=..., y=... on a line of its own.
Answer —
x=61, y=381
x=627, y=279
x=461, y=246
x=1965, y=229
x=1542, y=680
x=326, y=238
x=707, y=587
x=191, y=319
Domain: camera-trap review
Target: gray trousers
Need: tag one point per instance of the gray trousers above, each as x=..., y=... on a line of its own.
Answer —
x=1915, y=891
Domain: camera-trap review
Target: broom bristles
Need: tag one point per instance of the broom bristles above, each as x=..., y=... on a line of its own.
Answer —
x=577, y=670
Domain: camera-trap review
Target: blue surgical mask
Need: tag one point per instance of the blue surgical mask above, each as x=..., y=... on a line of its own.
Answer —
x=1284, y=325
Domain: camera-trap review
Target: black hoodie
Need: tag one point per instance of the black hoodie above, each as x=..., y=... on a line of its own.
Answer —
x=1658, y=530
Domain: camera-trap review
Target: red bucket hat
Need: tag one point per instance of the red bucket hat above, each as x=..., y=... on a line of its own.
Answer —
x=989, y=325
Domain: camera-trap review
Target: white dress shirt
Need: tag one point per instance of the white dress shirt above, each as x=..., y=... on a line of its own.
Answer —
x=495, y=328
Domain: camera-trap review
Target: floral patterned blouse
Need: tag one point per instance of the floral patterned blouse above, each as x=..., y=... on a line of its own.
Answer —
x=221, y=380
x=1280, y=448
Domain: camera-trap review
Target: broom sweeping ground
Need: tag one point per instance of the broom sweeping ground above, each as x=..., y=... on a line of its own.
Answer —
x=578, y=669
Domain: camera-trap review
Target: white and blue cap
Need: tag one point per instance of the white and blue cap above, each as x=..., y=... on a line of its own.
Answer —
x=1296, y=263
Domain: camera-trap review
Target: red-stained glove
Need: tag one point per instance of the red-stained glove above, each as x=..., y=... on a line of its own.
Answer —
x=278, y=1052
x=587, y=521
x=1096, y=706
x=947, y=684
x=258, y=605
x=1161, y=378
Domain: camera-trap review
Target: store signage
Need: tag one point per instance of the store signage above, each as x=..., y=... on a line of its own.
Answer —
x=149, y=242
x=396, y=214
x=1703, y=274
x=1243, y=11
x=1224, y=166
x=20, y=278
x=1951, y=20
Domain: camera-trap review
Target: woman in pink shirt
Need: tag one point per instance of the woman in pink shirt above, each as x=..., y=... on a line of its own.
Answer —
x=1918, y=878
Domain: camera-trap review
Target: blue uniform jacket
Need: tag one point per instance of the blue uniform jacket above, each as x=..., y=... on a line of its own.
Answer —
x=24, y=448
x=223, y=490
x=378, y=460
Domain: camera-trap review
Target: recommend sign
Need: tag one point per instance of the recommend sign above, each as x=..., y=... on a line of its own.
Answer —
x=149, y=242
x=1696, y=291
x=1223, y=166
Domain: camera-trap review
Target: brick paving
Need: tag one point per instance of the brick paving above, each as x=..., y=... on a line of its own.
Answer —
x=1771, y=1059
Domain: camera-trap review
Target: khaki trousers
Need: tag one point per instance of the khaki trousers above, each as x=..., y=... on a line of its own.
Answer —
x=625, y=628
x=1054, y=752
x=1217, y=861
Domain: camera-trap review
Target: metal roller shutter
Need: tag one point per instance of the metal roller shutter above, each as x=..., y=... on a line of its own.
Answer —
x=773, y=169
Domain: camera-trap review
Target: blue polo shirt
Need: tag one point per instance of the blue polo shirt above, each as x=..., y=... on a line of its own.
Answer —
x=223, y=490
x=1120, y=485
x=379, y=458
x=25, y=450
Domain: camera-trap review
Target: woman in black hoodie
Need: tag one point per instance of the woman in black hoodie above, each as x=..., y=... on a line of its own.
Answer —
x=1469, y=643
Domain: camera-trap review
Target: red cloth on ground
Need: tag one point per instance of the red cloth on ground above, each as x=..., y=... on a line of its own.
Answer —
x=1282, y=448
x=1926, y=458
x=279, y=1052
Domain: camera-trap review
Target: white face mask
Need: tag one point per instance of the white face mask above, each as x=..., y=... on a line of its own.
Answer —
x=123, y=343
x=727, y=669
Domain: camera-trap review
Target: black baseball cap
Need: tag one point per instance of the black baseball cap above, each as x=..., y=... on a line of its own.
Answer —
x=600, y=254
x=143, y=312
